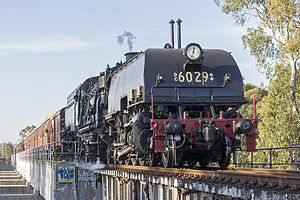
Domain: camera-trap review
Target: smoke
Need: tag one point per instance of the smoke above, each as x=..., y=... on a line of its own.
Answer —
x=129, y=37
x=91, y=166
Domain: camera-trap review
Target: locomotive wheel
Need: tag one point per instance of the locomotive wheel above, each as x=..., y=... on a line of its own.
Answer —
x=226, y=154
x=115, y=161
x=133, y=161
x=192, y=163
x=108, y=155
x=168, y=157
x=141, y=161
x=180, y=164
x=203, y=163
x=153, y=160
x=127, y=161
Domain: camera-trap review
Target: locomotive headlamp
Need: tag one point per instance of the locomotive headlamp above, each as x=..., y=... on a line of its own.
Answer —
x=243, y=126
x=246, y=125
x=177, y=138
x=193, y=52
x=173, y=127
x=237, y=136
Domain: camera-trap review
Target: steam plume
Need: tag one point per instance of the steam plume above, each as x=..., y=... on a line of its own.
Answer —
x=129, y=36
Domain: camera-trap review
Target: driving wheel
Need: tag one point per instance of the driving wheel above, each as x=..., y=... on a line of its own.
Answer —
x=168, y=157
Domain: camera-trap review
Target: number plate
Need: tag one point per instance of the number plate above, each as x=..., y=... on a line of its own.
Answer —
x=196, y=77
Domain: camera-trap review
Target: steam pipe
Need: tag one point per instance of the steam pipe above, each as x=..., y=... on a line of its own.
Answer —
x=172, y=32
x=179, y=32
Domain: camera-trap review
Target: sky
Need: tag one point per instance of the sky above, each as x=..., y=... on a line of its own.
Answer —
x=47, y=48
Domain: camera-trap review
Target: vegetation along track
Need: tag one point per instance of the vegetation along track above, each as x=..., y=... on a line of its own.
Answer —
x=266, y=178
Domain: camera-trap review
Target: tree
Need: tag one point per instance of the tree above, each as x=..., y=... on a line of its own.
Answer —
x=7, y=150
x=278, y=126
x=275, y=40
x=246, y=110
x=25, y=131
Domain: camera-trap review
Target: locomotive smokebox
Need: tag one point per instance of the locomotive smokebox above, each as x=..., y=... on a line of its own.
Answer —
x=130, y=55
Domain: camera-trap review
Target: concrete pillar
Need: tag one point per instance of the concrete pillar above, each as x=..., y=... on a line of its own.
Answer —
x=118, y=189
x=108, y=187
x=115, y=189
x=144, y=192
x=135, y=190
x=161, y=195
x=169, y=193
x=123, y=191
x=141, y=191
x=152, y=191
x=128, y=189
x=101, y=186
x=131, y=190
x=151, y=195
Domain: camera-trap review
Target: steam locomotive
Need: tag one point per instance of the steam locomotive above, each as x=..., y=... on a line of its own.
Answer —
x=166, y=106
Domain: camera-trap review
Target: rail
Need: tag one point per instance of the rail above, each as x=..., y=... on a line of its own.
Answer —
x=259, y=178
x=277, y=157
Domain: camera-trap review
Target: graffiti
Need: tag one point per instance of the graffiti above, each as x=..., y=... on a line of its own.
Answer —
x=66, y=174
x=87, y=176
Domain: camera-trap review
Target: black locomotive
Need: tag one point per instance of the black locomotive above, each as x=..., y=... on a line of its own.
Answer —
x=168, y=107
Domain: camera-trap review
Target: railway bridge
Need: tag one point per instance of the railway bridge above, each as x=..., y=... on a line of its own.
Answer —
x=55, y=178
x=136, y=182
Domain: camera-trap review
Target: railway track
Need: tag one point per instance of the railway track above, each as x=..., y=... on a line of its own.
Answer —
x=262, y=178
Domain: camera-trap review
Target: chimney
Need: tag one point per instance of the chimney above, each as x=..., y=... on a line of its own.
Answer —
x=130, y=55
x=179, y=32
x=172, y=32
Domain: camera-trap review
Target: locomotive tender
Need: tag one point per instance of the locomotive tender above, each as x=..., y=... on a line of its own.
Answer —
x=169, y=107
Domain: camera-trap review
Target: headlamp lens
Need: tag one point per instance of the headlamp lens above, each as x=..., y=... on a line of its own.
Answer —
x=177, y=138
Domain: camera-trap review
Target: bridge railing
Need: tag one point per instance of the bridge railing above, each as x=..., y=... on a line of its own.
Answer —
x=53, y=152
x=277, y=157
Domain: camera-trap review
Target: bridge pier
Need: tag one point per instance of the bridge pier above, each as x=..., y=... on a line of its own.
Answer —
x=116, y=188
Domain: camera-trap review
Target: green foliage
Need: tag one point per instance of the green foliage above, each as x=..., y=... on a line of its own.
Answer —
x=249, y=90
x=274, y=38
x=262, y=47
x=278, y=126
x=7, y=150
x=278, y=25
x=25, y=131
